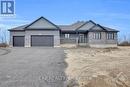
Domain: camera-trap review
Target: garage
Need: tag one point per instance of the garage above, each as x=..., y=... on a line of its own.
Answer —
x=42, y=40
x=18, y=41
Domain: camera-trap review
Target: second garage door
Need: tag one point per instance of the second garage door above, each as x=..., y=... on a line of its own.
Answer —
x=42, y=40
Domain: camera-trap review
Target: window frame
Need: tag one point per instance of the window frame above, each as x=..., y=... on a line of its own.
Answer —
x=67, y=35
x=97, y=35
x=111, y=35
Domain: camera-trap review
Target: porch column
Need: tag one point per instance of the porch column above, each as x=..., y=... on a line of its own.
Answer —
x=77, y=38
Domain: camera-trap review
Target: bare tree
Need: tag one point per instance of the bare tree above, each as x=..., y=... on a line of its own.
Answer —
x=0, y=35
x=124, y=38
x=3, y=36
x=119, y=40
x=129, y=37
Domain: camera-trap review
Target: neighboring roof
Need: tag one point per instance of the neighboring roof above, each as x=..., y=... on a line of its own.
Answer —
x=78, y=26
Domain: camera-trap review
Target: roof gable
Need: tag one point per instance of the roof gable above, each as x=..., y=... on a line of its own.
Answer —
x=41, y=23
x=86, y=26
x=97, y=27
x=72, y=27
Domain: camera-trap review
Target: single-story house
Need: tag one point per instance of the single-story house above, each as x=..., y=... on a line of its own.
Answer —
x=43, y=32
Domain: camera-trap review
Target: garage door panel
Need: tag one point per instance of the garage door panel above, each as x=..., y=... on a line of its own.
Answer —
x=42, y=40
x=18, y=41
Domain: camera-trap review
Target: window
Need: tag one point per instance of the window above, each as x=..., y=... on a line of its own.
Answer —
x=67, y=35
x=111, y=36
x=97, y=35
x=115, y=35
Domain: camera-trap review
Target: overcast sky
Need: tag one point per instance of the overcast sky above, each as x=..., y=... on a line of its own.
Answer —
x=110, y=13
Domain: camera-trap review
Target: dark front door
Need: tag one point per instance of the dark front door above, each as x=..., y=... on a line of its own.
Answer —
x=42, y=40
x=18, y=41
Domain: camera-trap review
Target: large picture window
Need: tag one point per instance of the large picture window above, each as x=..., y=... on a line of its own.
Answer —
x=97, y=35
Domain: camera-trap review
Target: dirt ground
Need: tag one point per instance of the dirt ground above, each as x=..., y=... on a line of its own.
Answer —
x=91, y=67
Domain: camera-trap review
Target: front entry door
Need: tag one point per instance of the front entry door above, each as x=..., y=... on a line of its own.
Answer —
x=82, y=38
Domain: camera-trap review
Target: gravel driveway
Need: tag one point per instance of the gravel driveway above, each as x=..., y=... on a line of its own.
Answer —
x=33, y=67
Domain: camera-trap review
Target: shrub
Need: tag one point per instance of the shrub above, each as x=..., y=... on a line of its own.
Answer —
x=124, y=43
x=4, y=45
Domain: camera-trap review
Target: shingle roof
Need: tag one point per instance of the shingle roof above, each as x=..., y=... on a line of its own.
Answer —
x=109, y=29
x=86, y=26
x=97, y=28
x=24, y=27
x=19, y=27
x=64, y=27
x=53, y=26
x=71, y=27
x=78, y=26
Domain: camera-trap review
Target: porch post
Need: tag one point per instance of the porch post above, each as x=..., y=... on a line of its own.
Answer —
x=77, y=38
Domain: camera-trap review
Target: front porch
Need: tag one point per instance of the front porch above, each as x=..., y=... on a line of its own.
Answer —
x=78, y=38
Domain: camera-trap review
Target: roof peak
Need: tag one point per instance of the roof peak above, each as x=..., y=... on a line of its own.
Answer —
x=41, y=18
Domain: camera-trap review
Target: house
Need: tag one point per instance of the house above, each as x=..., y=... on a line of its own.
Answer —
x=43, y=32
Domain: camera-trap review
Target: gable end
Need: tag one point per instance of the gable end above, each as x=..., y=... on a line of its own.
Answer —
x=49, y=25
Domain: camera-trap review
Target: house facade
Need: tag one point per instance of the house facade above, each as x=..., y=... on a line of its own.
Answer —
x=43, y=32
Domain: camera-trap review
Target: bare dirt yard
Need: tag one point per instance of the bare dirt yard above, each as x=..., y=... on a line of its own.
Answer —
x=91, y=67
